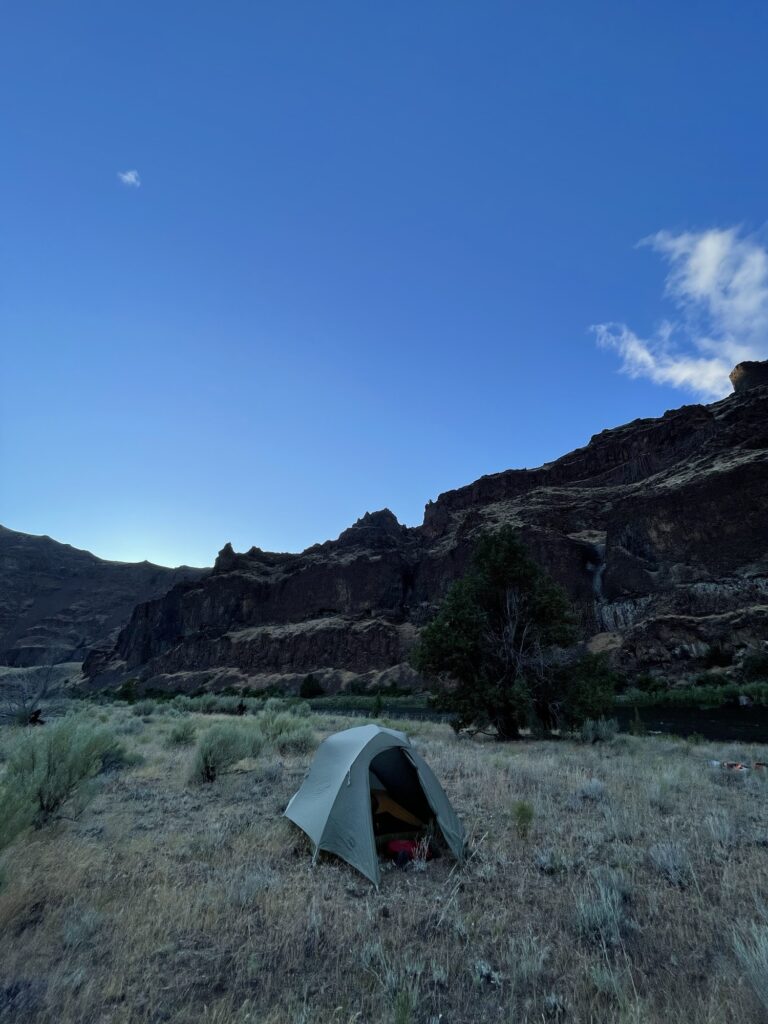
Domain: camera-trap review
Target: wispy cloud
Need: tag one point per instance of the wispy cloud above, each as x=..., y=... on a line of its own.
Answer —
x=130, y=178
x=718, y=284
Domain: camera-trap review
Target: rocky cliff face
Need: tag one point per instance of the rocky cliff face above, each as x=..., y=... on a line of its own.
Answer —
x=658, y=530
x=57, y=602
x=749, y=375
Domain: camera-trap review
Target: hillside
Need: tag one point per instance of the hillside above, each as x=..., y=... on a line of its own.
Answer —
x=56, y=601
x=657, y=529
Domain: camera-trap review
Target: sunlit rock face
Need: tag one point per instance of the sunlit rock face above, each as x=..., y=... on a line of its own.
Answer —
x=749, y=375
x=657, y=529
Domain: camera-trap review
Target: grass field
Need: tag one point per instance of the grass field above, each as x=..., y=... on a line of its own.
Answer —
x=616, y=882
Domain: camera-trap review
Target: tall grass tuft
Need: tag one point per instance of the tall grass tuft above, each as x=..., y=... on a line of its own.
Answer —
x=601, y=730
x=522, y=812
x=600, y=914
x=183, y=734
x=671, y=861
x=750, y=944
x=17, y=812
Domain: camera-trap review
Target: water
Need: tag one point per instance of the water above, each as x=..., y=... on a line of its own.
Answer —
x=731, y=724
x=728, y=724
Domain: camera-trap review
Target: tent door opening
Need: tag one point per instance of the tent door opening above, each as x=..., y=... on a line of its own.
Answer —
x=399, y=807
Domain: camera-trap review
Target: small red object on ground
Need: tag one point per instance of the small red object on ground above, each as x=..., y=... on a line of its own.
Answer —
x=408, y=849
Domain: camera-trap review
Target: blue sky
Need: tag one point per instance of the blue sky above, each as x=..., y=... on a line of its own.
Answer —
x=367, y=253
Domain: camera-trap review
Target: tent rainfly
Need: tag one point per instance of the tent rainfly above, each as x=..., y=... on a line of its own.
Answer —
x=357, y=770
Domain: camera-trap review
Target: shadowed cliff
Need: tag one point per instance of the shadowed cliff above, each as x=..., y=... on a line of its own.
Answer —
x=657, y=529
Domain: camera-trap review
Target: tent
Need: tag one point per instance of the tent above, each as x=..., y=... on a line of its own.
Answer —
x=363, y=781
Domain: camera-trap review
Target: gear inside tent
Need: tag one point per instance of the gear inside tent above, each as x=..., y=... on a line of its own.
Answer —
x=366, y=786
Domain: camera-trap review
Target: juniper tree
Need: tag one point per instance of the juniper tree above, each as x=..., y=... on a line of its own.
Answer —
x=500, y=640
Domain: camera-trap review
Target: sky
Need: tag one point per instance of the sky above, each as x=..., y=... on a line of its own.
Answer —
x=266, y=266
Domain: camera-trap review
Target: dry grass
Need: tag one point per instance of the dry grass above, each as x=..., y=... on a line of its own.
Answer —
x=632, y=894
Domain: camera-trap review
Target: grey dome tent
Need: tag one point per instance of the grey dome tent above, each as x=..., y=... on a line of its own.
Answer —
x=356, y=768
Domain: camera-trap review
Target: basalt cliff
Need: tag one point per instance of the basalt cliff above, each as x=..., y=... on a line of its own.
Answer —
x=57, y=602
x=658, y=530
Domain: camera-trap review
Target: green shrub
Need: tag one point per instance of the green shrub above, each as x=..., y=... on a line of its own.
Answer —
x=219, y=748
x=270, y=691
x=648, y=683
x=276, y=724
x=711, y=679
x=254, y=741
x=311, y=687
x=214, y=704
x=274, y=704
x=588, y=731
x=301, y=740
x=755, y=665
x=130, y=727
x=344, y=702
x=143, y=708
x=522, y=812
x=586, y=688
x=47, y=767
x=127, y=691
x=183, y=703
x=701, y=696
x=183, y=734
x=226, y=705
x=498, y=635
x=222, y=745
x=602, y=730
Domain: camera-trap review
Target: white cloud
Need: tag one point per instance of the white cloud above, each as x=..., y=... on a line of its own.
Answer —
x=718, y=282
x=130, y=178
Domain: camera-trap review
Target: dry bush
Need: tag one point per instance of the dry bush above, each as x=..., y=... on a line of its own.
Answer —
x=48, y=766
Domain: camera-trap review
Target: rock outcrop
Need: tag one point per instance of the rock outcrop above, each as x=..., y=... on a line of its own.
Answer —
x=57, y=602
x=749, y=375
x=658, y=529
